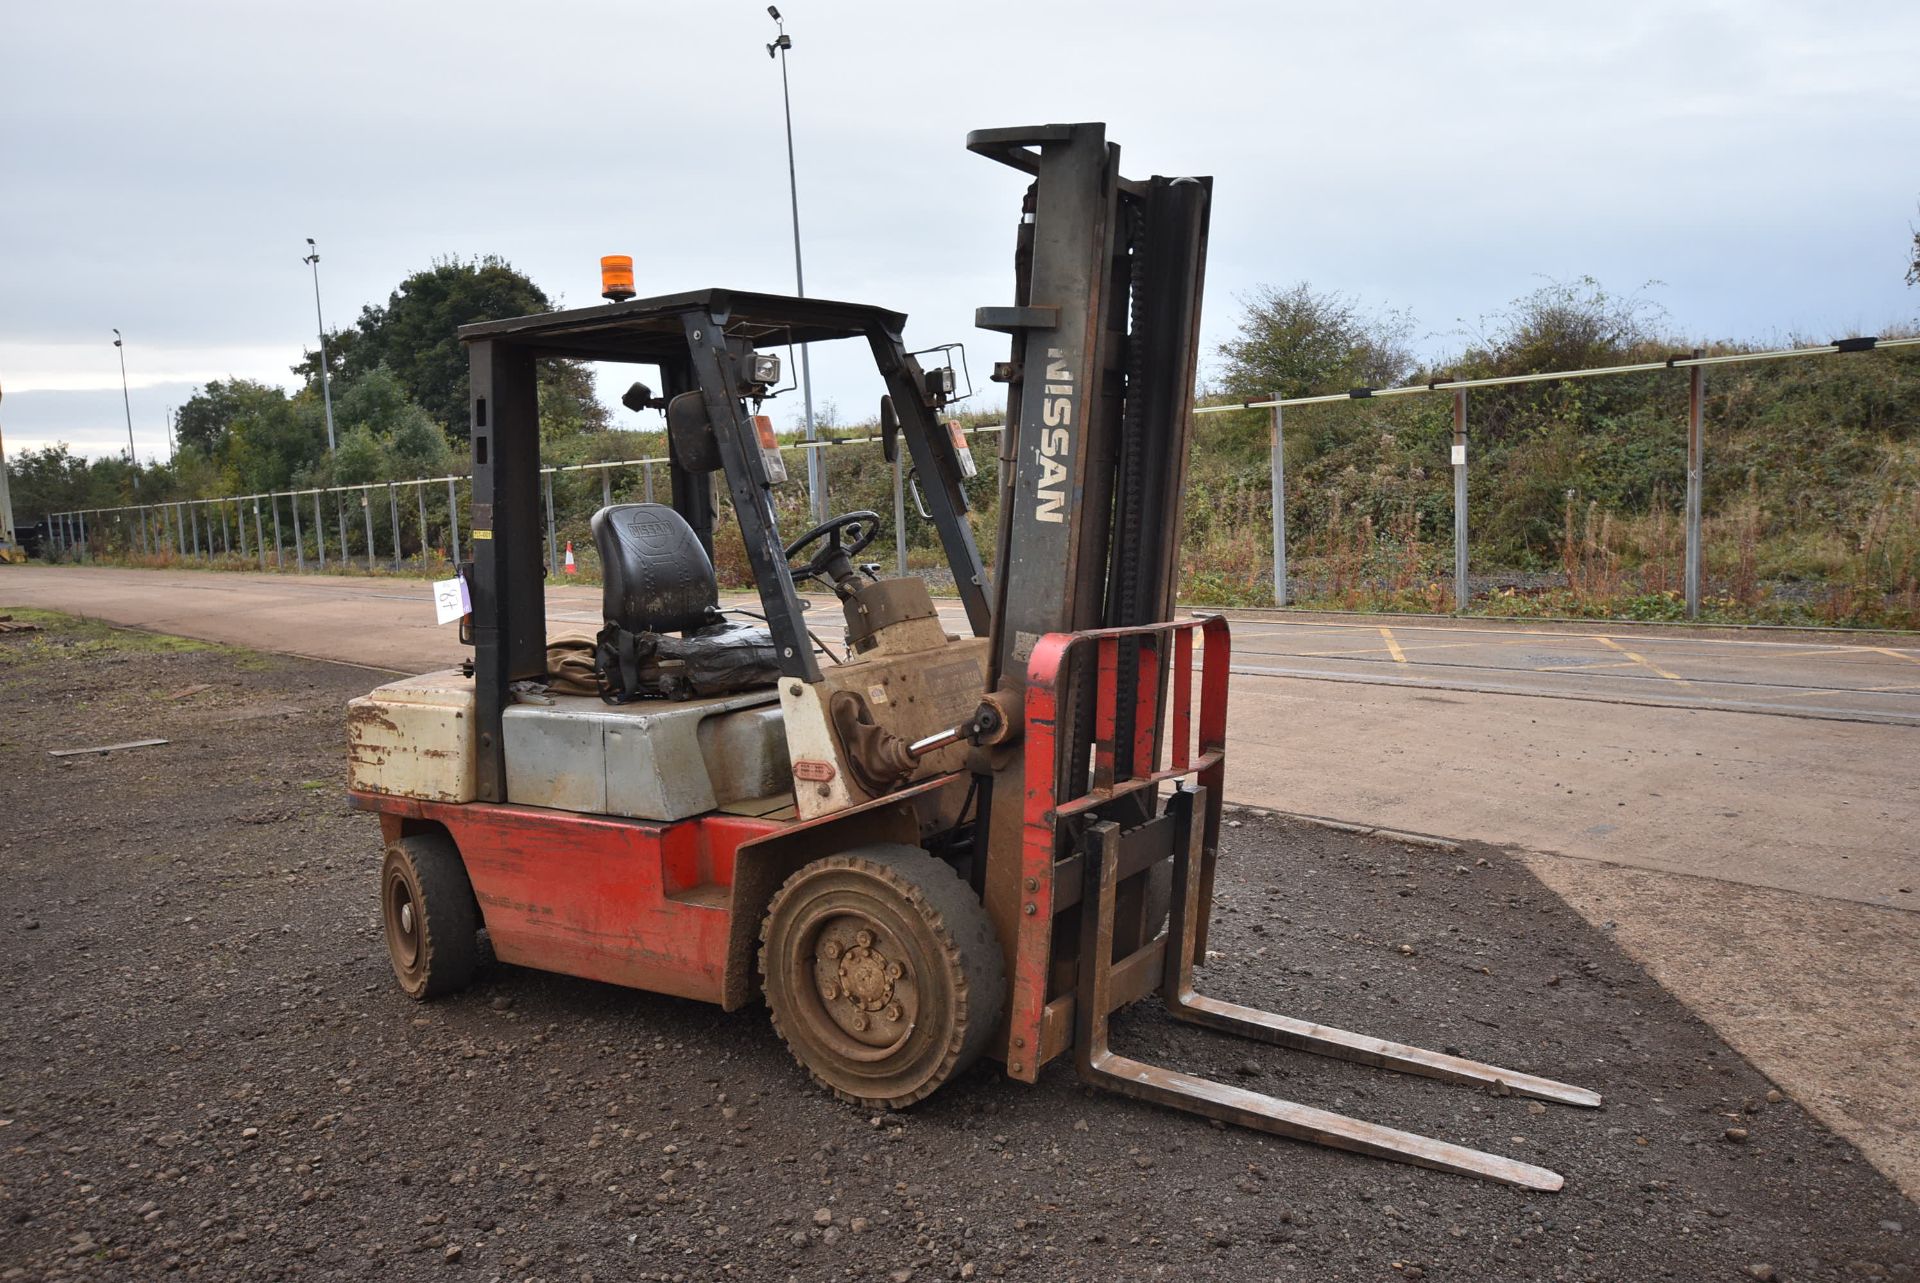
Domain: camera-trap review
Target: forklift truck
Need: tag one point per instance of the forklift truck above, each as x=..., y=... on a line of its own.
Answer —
x=933, y=848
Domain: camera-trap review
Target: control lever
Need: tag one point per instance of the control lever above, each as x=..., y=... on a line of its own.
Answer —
x=989, y=725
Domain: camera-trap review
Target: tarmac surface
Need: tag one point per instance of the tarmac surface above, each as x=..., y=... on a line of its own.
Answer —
x=1742, y=811
x=209, y=1072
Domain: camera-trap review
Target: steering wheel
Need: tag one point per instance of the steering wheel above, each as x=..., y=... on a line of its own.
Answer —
x=864, y=526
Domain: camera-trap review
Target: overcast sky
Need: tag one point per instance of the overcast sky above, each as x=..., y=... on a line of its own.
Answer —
x=161, y=164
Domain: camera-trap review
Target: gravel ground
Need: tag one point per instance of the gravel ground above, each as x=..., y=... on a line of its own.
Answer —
x=206, y=1067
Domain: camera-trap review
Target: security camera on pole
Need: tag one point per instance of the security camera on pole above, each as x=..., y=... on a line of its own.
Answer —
x=816, y=466
x=326, y=396
x=132, y=461
x=326, y=387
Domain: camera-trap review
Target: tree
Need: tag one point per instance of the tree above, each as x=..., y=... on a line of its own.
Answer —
x=568, y=404
x=377, y=407
x=1563, y=325
x=414, y=336
x=340, y=345
x=207, y=419
x=50, y=479
x=1301, y=342
x=1913, y=268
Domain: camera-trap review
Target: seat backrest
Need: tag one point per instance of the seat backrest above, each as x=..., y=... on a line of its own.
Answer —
x=658, y=578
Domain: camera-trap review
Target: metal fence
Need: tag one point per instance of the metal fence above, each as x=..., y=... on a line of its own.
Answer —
x=1695, y=364
x=311, y=528
x=188, y=526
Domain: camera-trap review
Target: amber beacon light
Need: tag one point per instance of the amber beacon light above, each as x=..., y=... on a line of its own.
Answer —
x=616, y=278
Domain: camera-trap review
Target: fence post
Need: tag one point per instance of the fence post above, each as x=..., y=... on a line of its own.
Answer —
x=420, y=495
x=259, y=535
x=606, y=487
x=453, y=522
x=1696, y=458
x=299, y=539
x=240, y=520
x=393, y=511
x=553, y=558
x=366, y=514
x=279, y=548
x=899, y=511
x=319, y=531
x=1462, y=593
x=1279, y=468
x=647, y=468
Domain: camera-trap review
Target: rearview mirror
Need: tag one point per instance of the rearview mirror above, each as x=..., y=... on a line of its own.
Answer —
x=690, y=431
x=889, y=429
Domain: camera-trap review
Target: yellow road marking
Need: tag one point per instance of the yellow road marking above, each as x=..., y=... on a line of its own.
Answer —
x=1643, y=661
x=1393, y=647
x=1897, y=654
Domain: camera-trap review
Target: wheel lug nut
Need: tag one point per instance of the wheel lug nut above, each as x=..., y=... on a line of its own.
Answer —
x=831, y=949
x=860, y=1022
x=894, y=1012
x=830, y=992
x=893, y=971
x=864, y=939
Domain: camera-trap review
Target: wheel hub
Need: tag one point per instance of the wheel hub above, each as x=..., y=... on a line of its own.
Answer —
x=863, y=988
x=405, y=940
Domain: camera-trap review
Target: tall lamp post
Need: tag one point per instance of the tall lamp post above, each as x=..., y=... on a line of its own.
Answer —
x=9, y=545
x=326, y=386
x=816, y=466
x=126, y=402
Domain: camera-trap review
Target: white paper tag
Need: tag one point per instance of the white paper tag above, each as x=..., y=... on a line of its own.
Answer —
x=1459, y=456
x=450, y=600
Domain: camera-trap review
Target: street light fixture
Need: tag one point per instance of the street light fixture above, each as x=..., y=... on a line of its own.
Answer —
x=326, y=387
x=816, y=469
x=126, y=402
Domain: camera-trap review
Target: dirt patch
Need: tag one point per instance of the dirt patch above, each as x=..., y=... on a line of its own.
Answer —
x=207, y=1068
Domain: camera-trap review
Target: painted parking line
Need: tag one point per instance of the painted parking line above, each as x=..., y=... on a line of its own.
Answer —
x=1393, y=647
x=1642, y=660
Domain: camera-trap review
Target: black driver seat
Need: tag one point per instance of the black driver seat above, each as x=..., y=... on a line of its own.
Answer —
x=658, y=578
x=659, y=581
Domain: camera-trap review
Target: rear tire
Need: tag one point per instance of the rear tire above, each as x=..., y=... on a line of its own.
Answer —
x=882, y=972
x=432, y=922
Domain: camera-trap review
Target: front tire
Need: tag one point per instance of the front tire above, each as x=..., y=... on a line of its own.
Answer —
x=432, y=922
x=883, y=973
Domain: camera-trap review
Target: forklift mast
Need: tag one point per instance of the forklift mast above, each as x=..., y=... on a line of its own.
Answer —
x=1105, y=337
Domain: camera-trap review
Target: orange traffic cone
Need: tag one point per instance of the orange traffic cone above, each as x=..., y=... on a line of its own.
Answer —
x=571, y=568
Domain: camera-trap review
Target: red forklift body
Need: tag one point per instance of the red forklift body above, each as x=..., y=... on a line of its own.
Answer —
x=933, y=848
